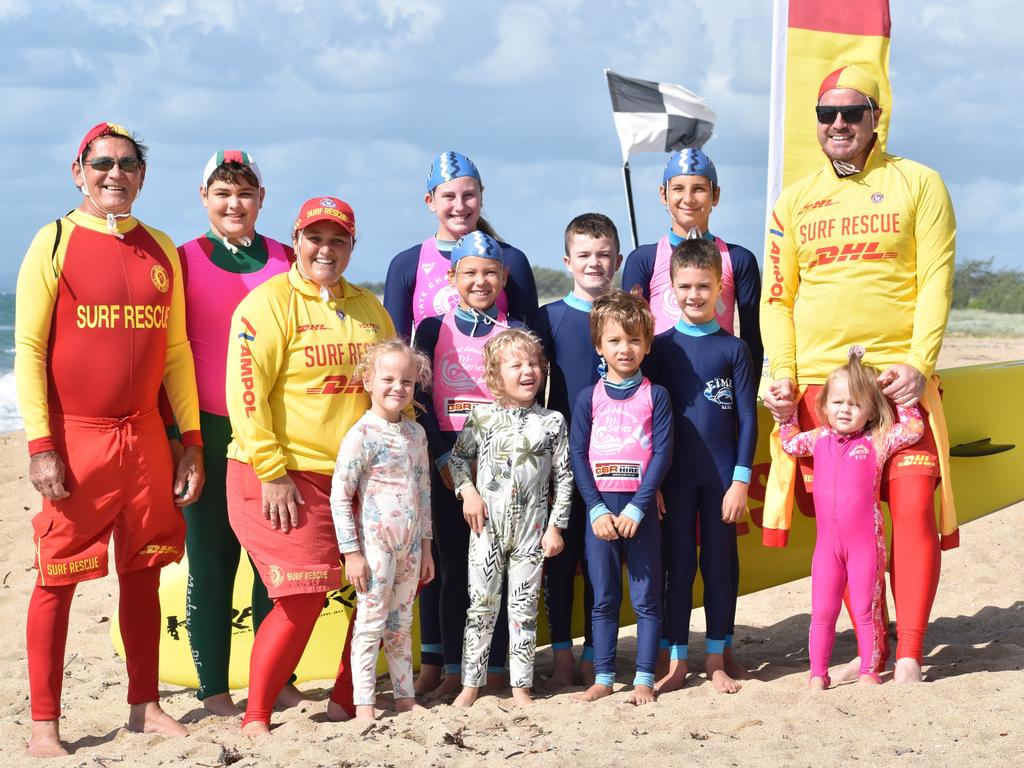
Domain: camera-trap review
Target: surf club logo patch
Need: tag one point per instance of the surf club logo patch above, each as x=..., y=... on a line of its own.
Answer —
x=276, y=576
x=160, y=279
x=877, y=197
x=859, y=452
x=454, y=375
x=719, y=392
x=328, y=203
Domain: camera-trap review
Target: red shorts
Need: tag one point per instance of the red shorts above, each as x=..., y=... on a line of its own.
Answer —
x=921, y=458
x=119, y=474
x=303, y=560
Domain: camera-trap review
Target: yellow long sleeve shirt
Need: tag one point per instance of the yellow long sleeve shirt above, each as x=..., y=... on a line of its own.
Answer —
x=866, y=259
x=99, y=325
x=291, y=388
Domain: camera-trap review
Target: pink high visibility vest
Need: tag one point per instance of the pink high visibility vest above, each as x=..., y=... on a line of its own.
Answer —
x=433, y=295
x=664, y=306
x=459, y=373
x=620, y=439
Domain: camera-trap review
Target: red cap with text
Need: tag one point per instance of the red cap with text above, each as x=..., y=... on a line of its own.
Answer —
x=326, y=209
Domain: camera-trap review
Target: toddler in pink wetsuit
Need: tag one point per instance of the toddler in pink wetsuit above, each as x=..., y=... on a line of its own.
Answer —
x=849, y=455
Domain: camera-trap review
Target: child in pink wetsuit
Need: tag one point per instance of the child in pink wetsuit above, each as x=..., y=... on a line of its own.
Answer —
x=849, y=455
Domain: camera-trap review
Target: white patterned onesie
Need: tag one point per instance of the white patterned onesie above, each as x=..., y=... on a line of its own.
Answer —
x=519, y=453
x=385, y=464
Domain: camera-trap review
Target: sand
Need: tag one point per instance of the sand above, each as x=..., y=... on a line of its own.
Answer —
x=970, y=711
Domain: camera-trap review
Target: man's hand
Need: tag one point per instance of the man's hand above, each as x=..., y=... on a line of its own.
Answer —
x=46, y=472
x=190, y=476
x=426, y=562
x=605, y=527
x=357, y=571
x=473, y=509
x=626, y=526
x=281, y=500
x=735, y=502
x=780, y=399
x=176, y=450
x=903, y=384
x=552, y=542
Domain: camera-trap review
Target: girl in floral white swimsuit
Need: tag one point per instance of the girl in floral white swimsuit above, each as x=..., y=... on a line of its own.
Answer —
x=386, y=541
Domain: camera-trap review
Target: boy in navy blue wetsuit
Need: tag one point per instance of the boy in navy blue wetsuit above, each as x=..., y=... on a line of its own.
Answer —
x=621, y=447
x=709, y=376
x=592, y=257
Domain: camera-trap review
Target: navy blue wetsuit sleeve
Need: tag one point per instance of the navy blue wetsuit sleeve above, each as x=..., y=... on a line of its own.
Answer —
x=542, y=327
x=426, y=341
x=747, y=279
x=639, y=269
x=579, y=449
x=745, y=393
x=521, y=288
x=661, y=447
x=398, y=289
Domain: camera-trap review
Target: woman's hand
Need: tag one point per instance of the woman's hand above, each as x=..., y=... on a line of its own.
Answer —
x=281, y=500
x=357, y=571
x=473, y=509
x=426, y=563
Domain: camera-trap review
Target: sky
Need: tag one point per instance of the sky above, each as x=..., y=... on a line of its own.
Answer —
x=354, y=98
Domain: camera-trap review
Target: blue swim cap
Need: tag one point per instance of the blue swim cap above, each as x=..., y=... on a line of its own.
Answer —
x=477, y=244
x=690, y=162
x=450, y=165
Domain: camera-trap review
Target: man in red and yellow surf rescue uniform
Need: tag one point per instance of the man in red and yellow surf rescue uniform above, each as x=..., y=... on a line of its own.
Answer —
x=100, y=324
x=861, y=252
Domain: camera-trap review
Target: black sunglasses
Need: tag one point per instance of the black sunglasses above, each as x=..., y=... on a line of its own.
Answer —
x=852, y=114
x=126, y=164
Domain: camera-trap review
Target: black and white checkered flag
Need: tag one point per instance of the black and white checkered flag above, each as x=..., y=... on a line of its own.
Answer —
x=657, y=117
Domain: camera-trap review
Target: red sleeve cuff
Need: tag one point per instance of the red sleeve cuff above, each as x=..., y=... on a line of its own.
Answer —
x=41, y=445
x=192, y=438
x=773, y=537
x=949, y=540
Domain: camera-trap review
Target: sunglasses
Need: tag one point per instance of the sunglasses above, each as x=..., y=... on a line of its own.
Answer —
x=126, y=164
x=852, y=114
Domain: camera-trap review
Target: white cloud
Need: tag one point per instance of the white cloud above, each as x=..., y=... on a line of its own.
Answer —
x=12, y=9
x=989, y=205
x=523, y=52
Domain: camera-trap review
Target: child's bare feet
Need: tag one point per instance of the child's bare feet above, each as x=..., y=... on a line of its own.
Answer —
x=495, y=682
x=467, y=697
x=849, y=672
x=676, y=677
x=642, y=694
x=451, y=686
x=714, y=665
x=149, y=718
x=45, y=739
x=733, y=668
x=428, y=679
x=289, y=697
x=562, y=673
x=408, y=704
x=222, y=705
x=661, y=667
x=521, y=697
x=366, y=712
x=336, y=713
x=817, y=684
x=256, y=729
x=587, y=673
x=868, y=680
x=593, y=693
x=907, y=671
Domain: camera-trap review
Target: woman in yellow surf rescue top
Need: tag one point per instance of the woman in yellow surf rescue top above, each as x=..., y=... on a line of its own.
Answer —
x=292, y=395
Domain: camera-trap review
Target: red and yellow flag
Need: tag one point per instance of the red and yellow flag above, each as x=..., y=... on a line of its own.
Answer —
x=810, y=39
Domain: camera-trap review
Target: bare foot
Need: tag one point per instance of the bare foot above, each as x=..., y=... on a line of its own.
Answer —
x=562, y=674
x=817, y=684
x=289, y=697
x=366, y=713
x=429, y=678
x=408, y=704
x=587, y=673
x=496, y=682
x=522, y=697
x=467, y=697
x=336, y=713
x=593, y=693
x=222, y=705
x=45, y=739
x=149, y=718
x=256, y=729
x=661, y=667
x=451, y=686
x=714, y=666
x=733, y=668
x=907, y=671
x=642, y=694
x=868, y=680
x=849, y=672
x=678, y=671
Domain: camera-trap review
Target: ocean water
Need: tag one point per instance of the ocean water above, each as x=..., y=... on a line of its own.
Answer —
x=10, y=418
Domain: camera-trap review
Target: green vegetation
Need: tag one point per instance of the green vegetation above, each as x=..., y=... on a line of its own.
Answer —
x=552, y=282
x=978, y=285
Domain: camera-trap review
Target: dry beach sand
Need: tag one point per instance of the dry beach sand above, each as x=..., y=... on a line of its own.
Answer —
x=969, y=712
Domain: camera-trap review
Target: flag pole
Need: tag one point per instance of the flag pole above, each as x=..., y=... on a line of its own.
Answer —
x=629, y=202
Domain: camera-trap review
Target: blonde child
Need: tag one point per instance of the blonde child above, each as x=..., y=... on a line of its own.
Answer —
x=386, y=543
x=520, y=451
x=849, y=552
